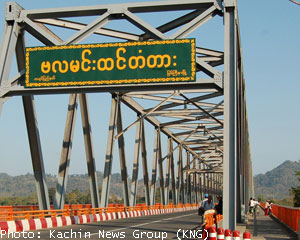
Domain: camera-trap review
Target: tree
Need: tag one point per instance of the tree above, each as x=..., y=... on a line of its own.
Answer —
x=260, y=198
x=296, y=192
x=51, y=192
x=72, y=197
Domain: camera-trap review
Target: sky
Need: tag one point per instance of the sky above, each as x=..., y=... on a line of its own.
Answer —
x=270, y=36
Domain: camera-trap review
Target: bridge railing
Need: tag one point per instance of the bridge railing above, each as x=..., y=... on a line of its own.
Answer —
x=288, y=215
x=32, y=214
x=12, y=208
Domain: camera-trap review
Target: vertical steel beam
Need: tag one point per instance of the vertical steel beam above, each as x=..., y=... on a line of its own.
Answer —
x=17, y=43
x=182, y=190
x=168, y=169
x=65, y=156
x=229, y=162
x=247, y=177
x=196, y=183
x=36, y=152
x=178, y=177
x=188, y=179
x=200, y=196
x=160, y=169
x=174, y=197
x=154, y=167
x=209, y=183
x=135, y=168
x=7, y=50
x=123, y=165
x=87, y=134
x=109, y=152
x=238, y=137
x=8, y=46
x=215, y=185
x=145, y=167
x=205, y=187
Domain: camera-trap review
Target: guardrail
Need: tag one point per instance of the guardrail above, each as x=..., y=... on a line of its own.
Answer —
x=288, y=215
x=36, y=207
x=19, y=215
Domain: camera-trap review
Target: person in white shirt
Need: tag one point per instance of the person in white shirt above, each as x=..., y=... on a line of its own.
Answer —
x=251, y=205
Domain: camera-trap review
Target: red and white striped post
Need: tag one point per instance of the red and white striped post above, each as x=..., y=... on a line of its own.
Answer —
x=212, y=234
x=247, y=236
x=205, y=234
x=236, y=235
x=220, y=234
x=228, y=234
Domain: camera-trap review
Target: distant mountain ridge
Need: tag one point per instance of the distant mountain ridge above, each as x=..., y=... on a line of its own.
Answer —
x=275, y=184
x=24, y=185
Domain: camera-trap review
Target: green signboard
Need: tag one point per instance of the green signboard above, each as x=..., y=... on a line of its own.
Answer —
x=111, y=63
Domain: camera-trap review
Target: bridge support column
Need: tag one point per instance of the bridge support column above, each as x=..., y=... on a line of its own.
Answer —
x=188, y=179
x=229, y=164
x=168, y=169
x=135, y=168
x=174, y=197
x=64, y=163
x=87, y=133
x=182, y=189
x=15, y=42
x=178, y=177
x=160, y=168
x=194, y=184
x=154, y=168
x=145, y=166
x=36, y=152
x=123, y=165
x=109, y=152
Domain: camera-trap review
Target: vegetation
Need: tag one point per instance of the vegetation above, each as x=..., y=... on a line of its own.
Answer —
x=19, y=200
x=73, y=197
x=296, y=192
x=284, y=202
x=20, y=190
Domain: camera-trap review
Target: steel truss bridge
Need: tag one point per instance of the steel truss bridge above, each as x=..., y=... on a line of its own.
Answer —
x=205, y=121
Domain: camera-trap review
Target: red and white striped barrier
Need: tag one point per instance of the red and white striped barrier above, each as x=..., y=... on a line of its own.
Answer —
x=44, y=223
x=228, y=234
x=220, y=232
x=214, y=234
x=247, y=236
x=236, y=235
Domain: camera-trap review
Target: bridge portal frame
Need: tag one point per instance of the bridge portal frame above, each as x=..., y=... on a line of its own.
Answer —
x=232, y=151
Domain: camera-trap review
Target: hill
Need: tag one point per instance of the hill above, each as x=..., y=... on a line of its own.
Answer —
x=275, y=184
x=24, y=185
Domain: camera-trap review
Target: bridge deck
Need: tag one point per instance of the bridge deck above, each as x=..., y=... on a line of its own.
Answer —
x=163, y=226
x=264, y=227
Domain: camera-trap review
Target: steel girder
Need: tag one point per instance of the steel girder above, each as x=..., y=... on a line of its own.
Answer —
x=206, y=119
